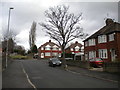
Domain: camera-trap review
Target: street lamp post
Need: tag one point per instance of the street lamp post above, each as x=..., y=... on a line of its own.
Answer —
x=8, y=36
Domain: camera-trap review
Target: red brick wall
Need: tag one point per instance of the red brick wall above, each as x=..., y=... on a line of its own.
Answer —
x=109, y=45
x=50, y=51
x=118, y=44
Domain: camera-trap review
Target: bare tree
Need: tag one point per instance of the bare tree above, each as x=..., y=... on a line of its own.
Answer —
x=8, y=38
x=62, y=26
x=6, y=35
x=32, y=35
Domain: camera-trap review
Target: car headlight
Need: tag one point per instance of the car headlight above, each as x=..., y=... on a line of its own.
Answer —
x=54, y=63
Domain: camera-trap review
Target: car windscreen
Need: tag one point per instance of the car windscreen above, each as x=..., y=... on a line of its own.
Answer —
x=55, y=60
x=98, y=59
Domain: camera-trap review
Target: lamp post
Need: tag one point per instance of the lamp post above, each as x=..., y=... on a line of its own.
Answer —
x=8, y=36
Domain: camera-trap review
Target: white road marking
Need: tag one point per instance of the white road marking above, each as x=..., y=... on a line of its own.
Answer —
x=28, y=78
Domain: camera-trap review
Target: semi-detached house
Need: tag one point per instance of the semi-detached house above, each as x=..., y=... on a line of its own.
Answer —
x=105, y=43
x=49, y=50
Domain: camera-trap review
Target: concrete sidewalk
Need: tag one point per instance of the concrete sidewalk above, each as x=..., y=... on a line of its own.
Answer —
x=95, y=74
x=14, y=77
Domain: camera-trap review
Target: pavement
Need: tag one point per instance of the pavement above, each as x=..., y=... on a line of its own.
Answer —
x=95, y=73
x=14, y=77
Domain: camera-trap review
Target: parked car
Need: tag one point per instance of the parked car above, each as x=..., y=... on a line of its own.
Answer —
x=68, y=58
x=96, y=62
x=35, y=56
x=54, y=62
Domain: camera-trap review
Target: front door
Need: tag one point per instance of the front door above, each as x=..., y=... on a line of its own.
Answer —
x=112, y=54
x=42, y=55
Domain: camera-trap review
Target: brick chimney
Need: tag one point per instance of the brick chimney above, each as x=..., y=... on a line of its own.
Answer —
x=49, y=40
x=109, y=21
x=76, y=42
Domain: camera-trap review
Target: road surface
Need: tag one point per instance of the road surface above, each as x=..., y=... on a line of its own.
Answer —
x=43, y=76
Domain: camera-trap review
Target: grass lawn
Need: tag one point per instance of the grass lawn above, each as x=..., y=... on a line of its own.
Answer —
x=19, y=57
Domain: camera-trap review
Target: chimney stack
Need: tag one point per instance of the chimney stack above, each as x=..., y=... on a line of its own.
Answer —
x=49, y=40
x=109, y=21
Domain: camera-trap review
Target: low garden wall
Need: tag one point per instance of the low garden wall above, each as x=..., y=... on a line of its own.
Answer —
x=113, y=67
x=78, y=63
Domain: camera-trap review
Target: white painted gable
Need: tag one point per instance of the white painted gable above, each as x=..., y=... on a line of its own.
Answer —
x=48, y=45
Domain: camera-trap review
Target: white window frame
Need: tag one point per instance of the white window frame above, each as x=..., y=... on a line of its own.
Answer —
x=59, y=49
x=42, y=48
x=103, y=53
x=42, y=55
x=111, y=37
x=59, y=54
x=54, y=54
x=71, y=49
x=102, y=39
x=92, y=54
x=55, y=48
x=91, y=42
x=86, y=43
x=48, y=47
x=77, y=48
x=47, y=54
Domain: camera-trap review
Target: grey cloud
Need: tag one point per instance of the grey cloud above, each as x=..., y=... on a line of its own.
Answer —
x=25, y=13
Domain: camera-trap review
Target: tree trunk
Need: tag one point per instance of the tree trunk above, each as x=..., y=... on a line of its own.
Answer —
x=64, y=60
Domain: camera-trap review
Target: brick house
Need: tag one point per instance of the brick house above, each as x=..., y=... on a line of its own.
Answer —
x=49, y=49
x=105, y=43
x=75, y=49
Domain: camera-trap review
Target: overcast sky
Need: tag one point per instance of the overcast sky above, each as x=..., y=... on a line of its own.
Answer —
x=27, y=11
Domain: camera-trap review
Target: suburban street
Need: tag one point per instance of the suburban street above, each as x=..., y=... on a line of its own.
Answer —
x=40, y=75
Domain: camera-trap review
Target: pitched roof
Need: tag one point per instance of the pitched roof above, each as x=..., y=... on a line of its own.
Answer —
x=107, y=29
x=49, y=43
x=74, y=45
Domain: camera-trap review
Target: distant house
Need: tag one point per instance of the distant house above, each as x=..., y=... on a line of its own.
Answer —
x=76, y=50
x=49, y=50
x=105, y=43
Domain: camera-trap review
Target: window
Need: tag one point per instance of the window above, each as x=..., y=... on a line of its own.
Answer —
x=86, y=43
x=102, y=53
x=48, y=47
x=111, y=37
x=59, y=49
x=42, y=55
x=102, y=39
x=54, y=54
x=59, y=54
x=71, y=49
x=77, y=48
x=47, y=54
x=92, y=54
x=91, y=42
x=55, y=47
x=42, y=48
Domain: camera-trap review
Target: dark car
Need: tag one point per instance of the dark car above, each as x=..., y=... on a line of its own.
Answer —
x=96, y=62
x=35, y=56
x=54, y=62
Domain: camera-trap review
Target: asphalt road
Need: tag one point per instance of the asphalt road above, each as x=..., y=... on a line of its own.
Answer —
x=43, y=76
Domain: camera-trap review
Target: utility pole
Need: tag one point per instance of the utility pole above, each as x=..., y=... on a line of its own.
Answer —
x=8, y=36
